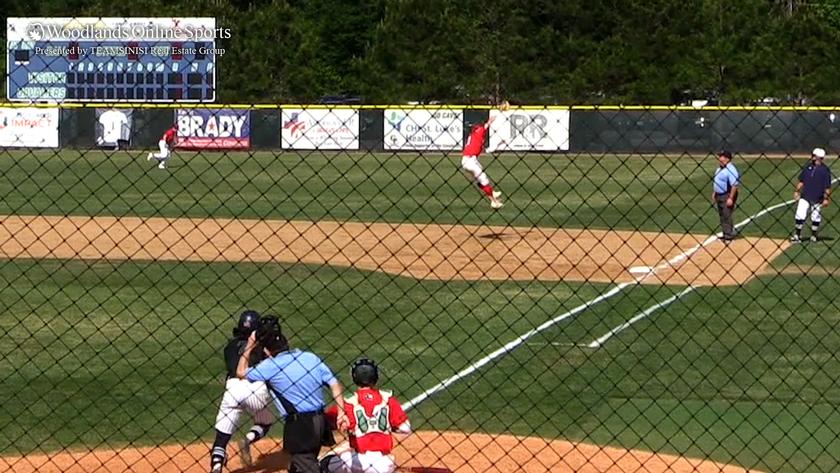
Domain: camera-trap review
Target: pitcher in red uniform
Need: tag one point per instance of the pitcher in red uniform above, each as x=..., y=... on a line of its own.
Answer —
x=471, y=165
x=166, y=143
x=374, y=415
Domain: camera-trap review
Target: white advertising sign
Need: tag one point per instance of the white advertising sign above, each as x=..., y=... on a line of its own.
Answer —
x=423, y=129
x=29, y=127
x=320, y=129
x=529, y=130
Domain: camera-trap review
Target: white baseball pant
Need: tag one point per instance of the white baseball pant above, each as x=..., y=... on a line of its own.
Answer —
x=164, y=151
x=355, y=462
x=242, y=396
x=471, y=165
x=802, y=208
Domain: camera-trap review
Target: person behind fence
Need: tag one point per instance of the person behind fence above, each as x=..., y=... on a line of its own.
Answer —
x=812, y=193
x=725, y=193
x=165, y=145
x=471, y=165
x=241, y=397
x=374, y=415
x=296, y=378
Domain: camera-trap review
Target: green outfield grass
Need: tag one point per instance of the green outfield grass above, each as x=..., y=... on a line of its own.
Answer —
x=578, y=191
x=111, y=353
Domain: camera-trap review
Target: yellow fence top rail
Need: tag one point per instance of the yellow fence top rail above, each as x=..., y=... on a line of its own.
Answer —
x=267, y=106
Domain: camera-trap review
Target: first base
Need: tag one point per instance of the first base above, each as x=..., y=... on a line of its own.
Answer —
x=640, y=269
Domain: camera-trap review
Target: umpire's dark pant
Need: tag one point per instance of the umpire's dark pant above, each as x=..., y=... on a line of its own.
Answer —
x=725, y=214
x=303, y=436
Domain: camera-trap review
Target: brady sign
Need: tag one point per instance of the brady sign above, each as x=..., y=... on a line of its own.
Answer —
x=221, y=128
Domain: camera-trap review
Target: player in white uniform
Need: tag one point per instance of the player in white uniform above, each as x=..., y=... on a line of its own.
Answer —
x=241, y=397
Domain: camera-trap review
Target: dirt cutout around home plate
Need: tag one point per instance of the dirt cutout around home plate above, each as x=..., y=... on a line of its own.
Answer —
x=421, y=251
x=422, y=452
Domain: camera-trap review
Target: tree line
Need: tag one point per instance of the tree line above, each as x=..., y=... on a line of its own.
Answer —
x=527, y=51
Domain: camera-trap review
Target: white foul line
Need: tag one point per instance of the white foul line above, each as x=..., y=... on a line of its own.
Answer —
x=508, y=347
x=643, y=314
x=603, y=338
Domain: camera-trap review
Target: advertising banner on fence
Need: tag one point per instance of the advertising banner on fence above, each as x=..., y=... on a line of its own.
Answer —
x=320, y=129
x=214, y=128
x=29, y=127
x=529, y=130
x=423, y=129
x=113, y=127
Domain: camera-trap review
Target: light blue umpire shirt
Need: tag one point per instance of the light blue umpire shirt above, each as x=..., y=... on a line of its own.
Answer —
x=726, y=178
x=300, y=376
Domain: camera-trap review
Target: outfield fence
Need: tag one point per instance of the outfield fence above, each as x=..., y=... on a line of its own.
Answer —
x=593, y=316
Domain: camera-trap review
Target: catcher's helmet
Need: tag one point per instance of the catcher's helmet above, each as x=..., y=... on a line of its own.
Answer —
x=249, y=321
x=270, y=334
x=365, y=372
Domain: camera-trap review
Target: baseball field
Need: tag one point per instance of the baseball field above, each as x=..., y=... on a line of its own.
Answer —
x=121, y=281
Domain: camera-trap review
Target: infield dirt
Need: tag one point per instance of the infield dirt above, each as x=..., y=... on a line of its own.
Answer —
x=422, y=251
x=457, y=451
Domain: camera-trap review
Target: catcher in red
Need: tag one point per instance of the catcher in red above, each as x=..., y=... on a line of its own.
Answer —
x=374, y=415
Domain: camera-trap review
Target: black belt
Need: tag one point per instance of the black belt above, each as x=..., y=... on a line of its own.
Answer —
x=303, y=415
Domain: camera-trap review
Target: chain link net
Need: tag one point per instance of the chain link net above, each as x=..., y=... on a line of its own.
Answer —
x=565, y=301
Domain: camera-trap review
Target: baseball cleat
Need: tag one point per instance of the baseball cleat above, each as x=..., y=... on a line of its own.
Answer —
x=497, y=194
x=216, y=468
x=496, y=204
x=245, y=452
x=162, y=165
x=814, y=239
x=795, y=239
x=149, y=157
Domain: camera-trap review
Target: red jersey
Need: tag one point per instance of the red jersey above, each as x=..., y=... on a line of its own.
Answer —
x=372, y=414
x=475, y=142
x=169, y=135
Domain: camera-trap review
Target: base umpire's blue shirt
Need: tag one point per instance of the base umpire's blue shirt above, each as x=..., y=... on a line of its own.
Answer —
x=815, y=181
x=300, y=376
x=726, y=178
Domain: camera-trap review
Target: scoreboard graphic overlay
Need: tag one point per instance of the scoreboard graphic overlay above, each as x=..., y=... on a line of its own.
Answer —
x=111, y=59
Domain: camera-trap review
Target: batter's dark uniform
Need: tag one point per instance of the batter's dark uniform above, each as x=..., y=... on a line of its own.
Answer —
x=815, y=186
